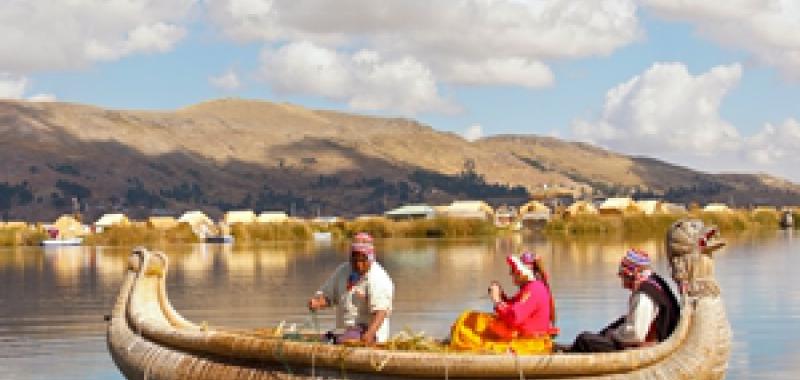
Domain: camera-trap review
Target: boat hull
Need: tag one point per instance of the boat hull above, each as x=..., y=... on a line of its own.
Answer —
x=148, y=339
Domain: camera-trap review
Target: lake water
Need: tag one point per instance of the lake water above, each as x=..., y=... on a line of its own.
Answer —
x=52, y=300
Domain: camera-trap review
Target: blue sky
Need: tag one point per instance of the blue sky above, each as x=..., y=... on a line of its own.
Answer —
x=713, y=85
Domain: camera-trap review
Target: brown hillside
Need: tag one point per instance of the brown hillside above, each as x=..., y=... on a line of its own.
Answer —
x=251, y=154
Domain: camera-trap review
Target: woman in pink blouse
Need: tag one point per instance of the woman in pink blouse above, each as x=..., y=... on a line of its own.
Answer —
x=523, y=323
x=529, y=313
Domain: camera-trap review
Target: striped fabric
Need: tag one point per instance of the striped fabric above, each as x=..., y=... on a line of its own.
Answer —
x=519, y=267
x=362, y=243
x=634, y=261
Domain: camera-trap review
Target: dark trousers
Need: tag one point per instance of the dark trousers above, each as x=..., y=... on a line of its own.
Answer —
x=597, y=342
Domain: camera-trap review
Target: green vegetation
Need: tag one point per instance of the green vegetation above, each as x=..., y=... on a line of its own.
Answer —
x=10, y=194
x=66, y=169
x=71, y=189
x=20, y=236
x=261, y=232
x=740, y=220
x=135, y=235
x=377, y=227
x=436, y=227
x=640, y=224
x=137, y=195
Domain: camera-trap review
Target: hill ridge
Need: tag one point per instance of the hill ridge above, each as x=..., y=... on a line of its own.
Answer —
x=240, y=153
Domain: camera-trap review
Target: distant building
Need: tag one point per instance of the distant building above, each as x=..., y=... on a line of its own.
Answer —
x=619, y=206
x=505, y=217
x=201, y=224
x=534, y=210
x=326, y=221
x=68, y=227
x=673, y=208
x=415, y=211
x=108, y=220
x=162, y=222
x=580, y=208
x=468, y=210
x=650, y=206
x=367, y=217
x=239, y=216
x=717, y=207
x=272, y=217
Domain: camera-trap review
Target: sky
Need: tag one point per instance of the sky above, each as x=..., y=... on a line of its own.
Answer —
x=713, y=85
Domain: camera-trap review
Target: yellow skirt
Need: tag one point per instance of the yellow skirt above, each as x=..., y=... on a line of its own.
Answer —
x=469, y=333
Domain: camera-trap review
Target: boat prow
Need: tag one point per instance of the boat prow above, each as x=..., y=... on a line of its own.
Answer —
x=148, y=339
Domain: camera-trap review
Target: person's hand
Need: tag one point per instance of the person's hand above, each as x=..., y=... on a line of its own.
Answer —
x=316, y=303
x=495, y=292
x=368, y=339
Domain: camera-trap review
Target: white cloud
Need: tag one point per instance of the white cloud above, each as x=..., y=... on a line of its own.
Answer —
x=365, y=80
x=473, y=133
x=775, y=145
x=54, y=35
x=766, y=29
x=12, y=86
x=228, y=81
x=158, y=37
x=509, y=71
x=667, y=111
x=503, y=42
x=42, y=98
x=670, y=114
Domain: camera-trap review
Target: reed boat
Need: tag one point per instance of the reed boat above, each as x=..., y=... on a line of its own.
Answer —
x=148, y=339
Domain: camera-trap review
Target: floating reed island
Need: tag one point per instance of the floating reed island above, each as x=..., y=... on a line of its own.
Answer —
x=616, y=216
x=149, y=339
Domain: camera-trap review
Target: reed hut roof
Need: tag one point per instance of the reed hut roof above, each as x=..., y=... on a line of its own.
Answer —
x=673, y=208
x=581, y=208
x=108, y=220
x=534, y=207
x=195, y=217
x=415, y=209
x=68, y=226
x=649, y=206
x=272, y=217
x=468, y=209
x=162, y=222
x=623, y=205
x=717, y=207
x=370, y=217
x=239, y=216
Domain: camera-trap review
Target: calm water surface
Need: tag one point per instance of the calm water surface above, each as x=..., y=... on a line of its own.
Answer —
x=52, y=301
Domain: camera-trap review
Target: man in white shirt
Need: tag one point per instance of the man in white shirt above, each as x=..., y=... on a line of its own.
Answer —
x=362, y=292
x=653, y=310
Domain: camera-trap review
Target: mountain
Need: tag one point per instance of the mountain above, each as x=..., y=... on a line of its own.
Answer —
x=231, y=153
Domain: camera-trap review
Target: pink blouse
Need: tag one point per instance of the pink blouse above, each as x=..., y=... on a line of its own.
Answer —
x=528, y=312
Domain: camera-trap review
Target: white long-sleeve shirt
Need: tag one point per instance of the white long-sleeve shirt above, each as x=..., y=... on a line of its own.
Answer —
x=373, y=292
x=642, y=311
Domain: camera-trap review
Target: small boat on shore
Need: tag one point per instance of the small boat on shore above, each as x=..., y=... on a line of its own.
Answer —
x=61, y=242
x=148, y=339
x=322, y=236
x=219, y=239
x=787, y=220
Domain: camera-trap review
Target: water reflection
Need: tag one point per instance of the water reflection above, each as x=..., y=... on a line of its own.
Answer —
x=54, y=299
